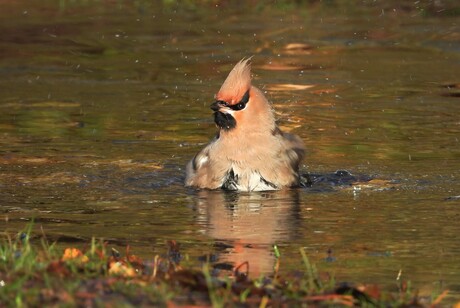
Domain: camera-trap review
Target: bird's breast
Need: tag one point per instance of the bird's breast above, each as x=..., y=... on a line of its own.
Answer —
x=246, y=181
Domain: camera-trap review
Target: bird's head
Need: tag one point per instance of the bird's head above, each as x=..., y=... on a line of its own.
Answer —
x=241, y=107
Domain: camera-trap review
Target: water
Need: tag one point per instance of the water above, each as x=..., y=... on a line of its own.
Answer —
x=103, y=104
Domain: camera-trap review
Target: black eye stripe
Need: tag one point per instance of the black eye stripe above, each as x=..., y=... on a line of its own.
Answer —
x=245, y=98
x=238, y=106
x=222, y=103
x=241, y=105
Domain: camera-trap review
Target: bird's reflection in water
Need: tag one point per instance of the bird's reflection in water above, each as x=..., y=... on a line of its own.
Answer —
x=249, y=224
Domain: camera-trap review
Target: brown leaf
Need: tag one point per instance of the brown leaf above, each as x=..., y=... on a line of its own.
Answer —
x=121, y=269
x=439, y=299
x=346, y=300
x=74, y=254
x=371, y=290
x=85, y=295
x=191, y=279
x=58, y=268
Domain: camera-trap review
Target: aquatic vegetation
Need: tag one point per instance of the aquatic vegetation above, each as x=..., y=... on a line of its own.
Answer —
x=38, y=275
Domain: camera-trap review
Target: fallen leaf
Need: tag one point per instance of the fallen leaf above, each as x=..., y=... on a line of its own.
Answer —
x=439, y=299
x=121, y=269
x=74, y=254
x=59, y=268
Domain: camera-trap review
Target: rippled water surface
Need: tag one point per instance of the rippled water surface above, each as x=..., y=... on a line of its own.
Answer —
x=103, y=103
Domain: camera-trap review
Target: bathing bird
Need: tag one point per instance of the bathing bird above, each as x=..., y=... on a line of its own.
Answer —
x=249, y=151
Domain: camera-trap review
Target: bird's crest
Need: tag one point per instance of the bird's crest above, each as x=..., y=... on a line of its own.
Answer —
x=237, y=83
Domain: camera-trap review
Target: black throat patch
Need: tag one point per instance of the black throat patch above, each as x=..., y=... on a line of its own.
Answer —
x=224, y=120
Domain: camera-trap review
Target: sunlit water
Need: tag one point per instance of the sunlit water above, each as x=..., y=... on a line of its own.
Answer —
x=102, y=105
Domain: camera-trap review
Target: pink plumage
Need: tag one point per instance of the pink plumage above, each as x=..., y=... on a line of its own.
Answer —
x=249, y=152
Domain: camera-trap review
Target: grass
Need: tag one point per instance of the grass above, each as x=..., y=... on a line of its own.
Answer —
x=44, y=275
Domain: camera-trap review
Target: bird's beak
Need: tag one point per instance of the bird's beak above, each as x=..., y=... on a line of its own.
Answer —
x=216, y=106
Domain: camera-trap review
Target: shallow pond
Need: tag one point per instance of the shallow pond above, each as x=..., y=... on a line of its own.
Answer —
x=103, y=103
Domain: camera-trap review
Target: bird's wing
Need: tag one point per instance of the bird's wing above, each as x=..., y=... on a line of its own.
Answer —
x=295, y=149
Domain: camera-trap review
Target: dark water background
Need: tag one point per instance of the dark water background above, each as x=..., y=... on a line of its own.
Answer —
x=102, y=103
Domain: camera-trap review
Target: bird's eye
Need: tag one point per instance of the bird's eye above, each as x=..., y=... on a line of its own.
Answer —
x=242, y=104
x=238, y=106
